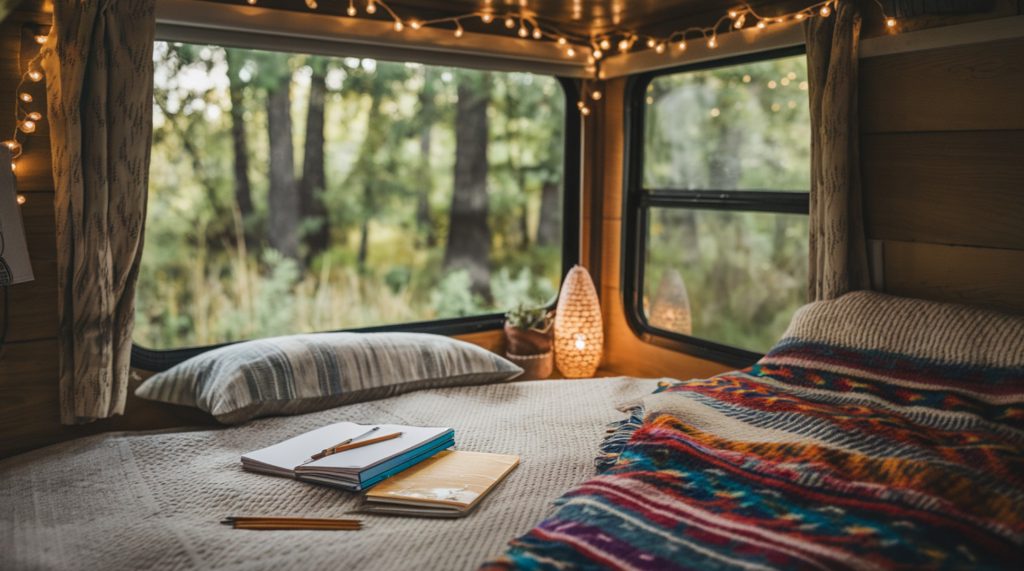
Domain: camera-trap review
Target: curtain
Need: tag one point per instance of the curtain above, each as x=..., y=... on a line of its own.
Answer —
x=838, y=251
x=99, y=68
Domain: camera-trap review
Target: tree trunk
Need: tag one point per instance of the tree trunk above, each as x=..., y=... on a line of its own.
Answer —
x=364, y=228
x=423, y=220
x=243, y=190
x=283, y=200
x=311, y=189
x=469, y=236
x=549, y=227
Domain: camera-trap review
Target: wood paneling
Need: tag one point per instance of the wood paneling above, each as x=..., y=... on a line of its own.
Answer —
x=970, y=87
x=979, y=276
x=948, y=187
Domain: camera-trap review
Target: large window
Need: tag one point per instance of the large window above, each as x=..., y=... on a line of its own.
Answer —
x=718, y=200
x=296, y=193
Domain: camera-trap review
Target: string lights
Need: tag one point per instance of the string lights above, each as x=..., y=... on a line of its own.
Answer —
x=26, y=118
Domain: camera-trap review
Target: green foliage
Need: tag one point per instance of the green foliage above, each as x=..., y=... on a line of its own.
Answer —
x=523, y=317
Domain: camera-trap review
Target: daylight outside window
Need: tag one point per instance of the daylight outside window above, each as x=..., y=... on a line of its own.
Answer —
x=294, y=193
x=723, y=201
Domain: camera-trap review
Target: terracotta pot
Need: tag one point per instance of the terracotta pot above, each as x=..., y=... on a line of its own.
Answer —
x=526, y=342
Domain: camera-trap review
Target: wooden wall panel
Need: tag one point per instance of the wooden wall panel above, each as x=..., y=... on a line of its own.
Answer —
x=970, y=87
x=979, y=276
x=946, y=187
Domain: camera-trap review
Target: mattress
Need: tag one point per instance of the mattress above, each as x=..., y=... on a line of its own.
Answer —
x=154, y=500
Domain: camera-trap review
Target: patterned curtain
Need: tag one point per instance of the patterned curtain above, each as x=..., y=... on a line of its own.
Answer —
x=838, y=260
x=99, y=69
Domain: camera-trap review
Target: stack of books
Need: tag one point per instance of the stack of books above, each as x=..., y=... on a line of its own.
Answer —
x=350, y=456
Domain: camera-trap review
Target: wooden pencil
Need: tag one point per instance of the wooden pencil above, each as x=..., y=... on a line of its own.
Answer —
x=285, y=523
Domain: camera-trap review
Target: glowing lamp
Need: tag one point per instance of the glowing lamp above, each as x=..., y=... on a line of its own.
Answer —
x=579, y=334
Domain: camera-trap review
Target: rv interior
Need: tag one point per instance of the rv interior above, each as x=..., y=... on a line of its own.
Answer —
x=511, y=284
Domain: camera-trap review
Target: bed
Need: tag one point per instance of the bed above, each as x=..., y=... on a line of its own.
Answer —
x=879, y=433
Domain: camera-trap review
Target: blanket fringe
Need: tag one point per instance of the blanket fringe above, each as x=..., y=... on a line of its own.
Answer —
x=620, y=433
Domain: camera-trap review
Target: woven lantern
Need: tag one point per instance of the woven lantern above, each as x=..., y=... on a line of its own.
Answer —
x=579, y=337
x=670, y=309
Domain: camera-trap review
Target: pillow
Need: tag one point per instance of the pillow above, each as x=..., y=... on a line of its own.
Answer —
x=305, y=373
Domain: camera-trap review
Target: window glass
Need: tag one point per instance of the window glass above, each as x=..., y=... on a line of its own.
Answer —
x=294, y=193
x=730, y=277
x=739, y=127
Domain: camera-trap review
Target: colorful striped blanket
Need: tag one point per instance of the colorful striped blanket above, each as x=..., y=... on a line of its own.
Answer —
x=823, y=455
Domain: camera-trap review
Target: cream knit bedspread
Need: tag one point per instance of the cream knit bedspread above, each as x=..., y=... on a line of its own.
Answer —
x=153, y=500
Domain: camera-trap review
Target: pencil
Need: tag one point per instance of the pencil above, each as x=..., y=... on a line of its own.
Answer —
x=286, y=523
x=343, y=446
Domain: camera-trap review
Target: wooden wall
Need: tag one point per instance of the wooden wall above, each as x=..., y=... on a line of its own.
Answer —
x=942, y=139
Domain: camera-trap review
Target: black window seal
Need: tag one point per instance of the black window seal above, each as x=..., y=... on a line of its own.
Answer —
x=637, y=202
x=156, y=360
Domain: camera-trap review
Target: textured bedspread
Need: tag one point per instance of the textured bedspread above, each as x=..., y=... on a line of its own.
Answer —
x=153, y=501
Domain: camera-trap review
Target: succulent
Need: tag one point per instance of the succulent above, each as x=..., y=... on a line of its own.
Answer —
x=523, y=317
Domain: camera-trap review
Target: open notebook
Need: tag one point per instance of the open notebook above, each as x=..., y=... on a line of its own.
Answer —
x=450, y=484
x=355, y=469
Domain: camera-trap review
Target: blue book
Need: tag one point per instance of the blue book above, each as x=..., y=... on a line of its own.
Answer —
x=354, y=469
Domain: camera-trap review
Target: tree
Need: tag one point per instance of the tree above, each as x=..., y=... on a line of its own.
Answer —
x=313, y=184
x=469, y=236
x=282, y=199
x=243, y=190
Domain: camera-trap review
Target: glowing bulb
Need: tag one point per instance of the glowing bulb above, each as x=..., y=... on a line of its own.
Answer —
x=660, y=48
x=570, y=52
x=801, y=16
x=371, y=7
x=732, y=13
x=13, y=146
x=14, y=166
x=35, y=75
x=890, y=22
x=251, y=2
x=41, y=39
x=399, y=26
x=682, y=46
x=740, y=21
x=311, y=4
x=35, y=116
x=761, y=25
x=585, y=111
x=351, y=10
x=28, y=126
x=523, y=32
x=623, y=45
x=825, y=11
x=595, y=95
x=510, y=23
x=713, y=42
x=605, y=44
x=415, y=24
x=537, y=34
x=26, y=97
x=651, y=43
x=487, y=18
x=561, y=41
x=21, y=197
x=598, y=54
x=580, y=341
x=458, y=32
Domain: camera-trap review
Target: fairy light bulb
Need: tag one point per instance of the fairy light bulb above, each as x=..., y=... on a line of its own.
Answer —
x=561, y=41
x=28, y=126
x=459, y=31
x=351, y=9
x=605, y=44
x=596, y=95
x=623, y=45
x=251, y=2
x=510, y=23
x=311, y=4
x=570, y=52
x=399, y=26
x=35, y=116
x=26, y=97
x=740, y=21
x=523, y=32
x=598, y=54
x=415, y=24
x=682, y=45
x=890, y=22
x=40, y=39
x=14, y=166
x=21, y=197
x=585, y=110
x=13, y=146
x=486, y=18
x=800, y=16
x=660, y=48
x=35, y=75
x=761, y=25
x=825, y=11
x=733, y=13
x=651, y=42
x=371, y=7
x=713, y=42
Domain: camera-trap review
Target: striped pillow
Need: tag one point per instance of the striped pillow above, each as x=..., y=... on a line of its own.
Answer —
x=305, y=373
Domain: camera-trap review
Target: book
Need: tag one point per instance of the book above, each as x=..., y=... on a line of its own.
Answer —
x=449, y=484
x=356, y=469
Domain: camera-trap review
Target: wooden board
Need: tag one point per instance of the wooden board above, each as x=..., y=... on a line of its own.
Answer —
x=978, y=276
x=971, y=87
x=961, y=188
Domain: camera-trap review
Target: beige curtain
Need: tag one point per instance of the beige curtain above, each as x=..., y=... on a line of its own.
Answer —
x=838, y=252
x=99, y=70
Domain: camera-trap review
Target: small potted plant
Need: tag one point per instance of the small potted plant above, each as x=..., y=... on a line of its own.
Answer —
x=528, y=336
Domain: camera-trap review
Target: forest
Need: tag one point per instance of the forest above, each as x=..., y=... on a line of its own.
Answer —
x=294, y=193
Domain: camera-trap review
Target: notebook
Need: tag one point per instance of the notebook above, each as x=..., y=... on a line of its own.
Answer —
x=355, y=469
x=450, y=484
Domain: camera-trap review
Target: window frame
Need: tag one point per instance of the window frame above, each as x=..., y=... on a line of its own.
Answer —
x=156, y=360
x=638, y=202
